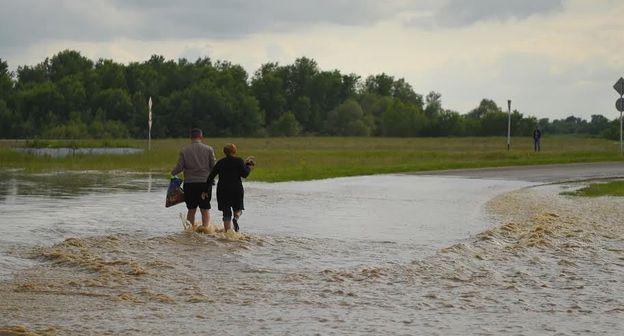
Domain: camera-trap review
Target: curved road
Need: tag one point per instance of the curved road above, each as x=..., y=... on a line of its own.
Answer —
x=541, y=173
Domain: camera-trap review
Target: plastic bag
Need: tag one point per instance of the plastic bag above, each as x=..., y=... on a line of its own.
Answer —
x=250, y=161
x=175, y=193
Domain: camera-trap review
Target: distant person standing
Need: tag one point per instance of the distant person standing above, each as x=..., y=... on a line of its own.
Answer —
x=537, y=136
x=196, y=161
x=230, y=193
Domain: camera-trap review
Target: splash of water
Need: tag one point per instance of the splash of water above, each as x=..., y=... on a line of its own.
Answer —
x=213, y=230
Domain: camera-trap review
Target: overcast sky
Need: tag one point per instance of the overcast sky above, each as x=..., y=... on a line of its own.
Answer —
x=552, y=58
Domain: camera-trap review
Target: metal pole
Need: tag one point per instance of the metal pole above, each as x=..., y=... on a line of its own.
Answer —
x=619, y=105
x=509, y=124
x=149, y=125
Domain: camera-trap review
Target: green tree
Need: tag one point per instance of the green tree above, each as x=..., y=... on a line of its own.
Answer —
x=108, y=129
x=598, y=124
x=302, y=110
x=6, y=80
x=349, y=86
x=33, y=74
x=485, y=106
x=521, y=125
x=300, y=76
x=267, y=86
x=73, y=129
x=381, y=85
x=10, y=122
x=115, y=103
x=612, y=131
x=74, y=96
x=37, y=103
x=67, y=93
x=434, y=104
x=402, y=119
x=68, y=62
x=110, y=75
x=450, y=124
x=324, y=91
x=376, y=106
x=286, y=125
x=493, y=124
x=402, y=90
x=348, y=119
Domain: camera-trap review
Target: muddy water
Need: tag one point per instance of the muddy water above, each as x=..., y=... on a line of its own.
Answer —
x=98, y=253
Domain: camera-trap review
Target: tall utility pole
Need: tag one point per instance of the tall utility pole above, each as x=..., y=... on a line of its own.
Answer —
x=509, y=124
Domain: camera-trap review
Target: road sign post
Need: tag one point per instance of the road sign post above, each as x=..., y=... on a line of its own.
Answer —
x=619, y=105
x=509, y=124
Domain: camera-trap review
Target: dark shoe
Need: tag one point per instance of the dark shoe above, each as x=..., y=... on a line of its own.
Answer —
x=235, y=221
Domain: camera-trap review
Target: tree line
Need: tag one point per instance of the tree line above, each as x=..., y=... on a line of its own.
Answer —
x=70, y=96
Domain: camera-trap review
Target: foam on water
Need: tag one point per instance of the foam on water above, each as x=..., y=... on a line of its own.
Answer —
x=213, y=231
x=551, y=265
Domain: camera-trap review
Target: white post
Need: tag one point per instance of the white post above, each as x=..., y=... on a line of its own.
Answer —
x=621, y=146
x=509, y=124
x=149, y=125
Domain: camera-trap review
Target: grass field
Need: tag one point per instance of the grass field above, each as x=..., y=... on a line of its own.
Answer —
x=613, y=188
x=284, y=159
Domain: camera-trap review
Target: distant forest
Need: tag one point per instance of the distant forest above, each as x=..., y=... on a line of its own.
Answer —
x=70, y=96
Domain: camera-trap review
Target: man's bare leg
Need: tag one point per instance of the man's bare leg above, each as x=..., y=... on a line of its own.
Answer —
x=205, y=213
x=190, y=216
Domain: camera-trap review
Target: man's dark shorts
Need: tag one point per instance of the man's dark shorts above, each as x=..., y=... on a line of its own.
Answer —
x=193, y=193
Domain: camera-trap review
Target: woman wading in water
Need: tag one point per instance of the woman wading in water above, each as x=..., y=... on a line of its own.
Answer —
x=230, y=191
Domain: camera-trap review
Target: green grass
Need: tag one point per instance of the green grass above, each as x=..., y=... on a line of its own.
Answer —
x=305, y=158
x=613, y=188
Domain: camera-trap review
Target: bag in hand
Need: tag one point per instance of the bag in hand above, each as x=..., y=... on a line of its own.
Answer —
x=250, y=161
x=175, y=193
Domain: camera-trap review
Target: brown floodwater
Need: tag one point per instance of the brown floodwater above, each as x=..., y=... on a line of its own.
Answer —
x=96, y=253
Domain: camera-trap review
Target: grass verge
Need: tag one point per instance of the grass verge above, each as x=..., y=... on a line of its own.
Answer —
x=286, y=159
x=613, y=188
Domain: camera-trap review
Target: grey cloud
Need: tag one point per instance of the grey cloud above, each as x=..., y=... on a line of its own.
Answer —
x=26, y=22
x=29, y=21
x=530, y=81
x=238, y=18
x=457, y=13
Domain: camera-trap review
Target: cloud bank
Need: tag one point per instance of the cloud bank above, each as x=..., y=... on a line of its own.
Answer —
x=553, y=58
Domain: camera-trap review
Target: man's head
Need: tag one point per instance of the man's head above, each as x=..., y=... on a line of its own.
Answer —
x=196, y=134
x=229, y=149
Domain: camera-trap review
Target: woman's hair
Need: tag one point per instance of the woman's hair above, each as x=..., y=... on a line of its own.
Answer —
x=229, y=149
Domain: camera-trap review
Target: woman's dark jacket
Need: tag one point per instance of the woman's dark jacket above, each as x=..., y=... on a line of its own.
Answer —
x=230, y=191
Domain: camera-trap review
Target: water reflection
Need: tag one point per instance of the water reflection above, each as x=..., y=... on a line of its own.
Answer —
x=67, y=151
x=74, y=184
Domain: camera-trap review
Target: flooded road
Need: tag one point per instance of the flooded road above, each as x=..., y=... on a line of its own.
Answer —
x=391, y=254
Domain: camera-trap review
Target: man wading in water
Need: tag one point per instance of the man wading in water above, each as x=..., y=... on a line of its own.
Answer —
x=196, y=161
